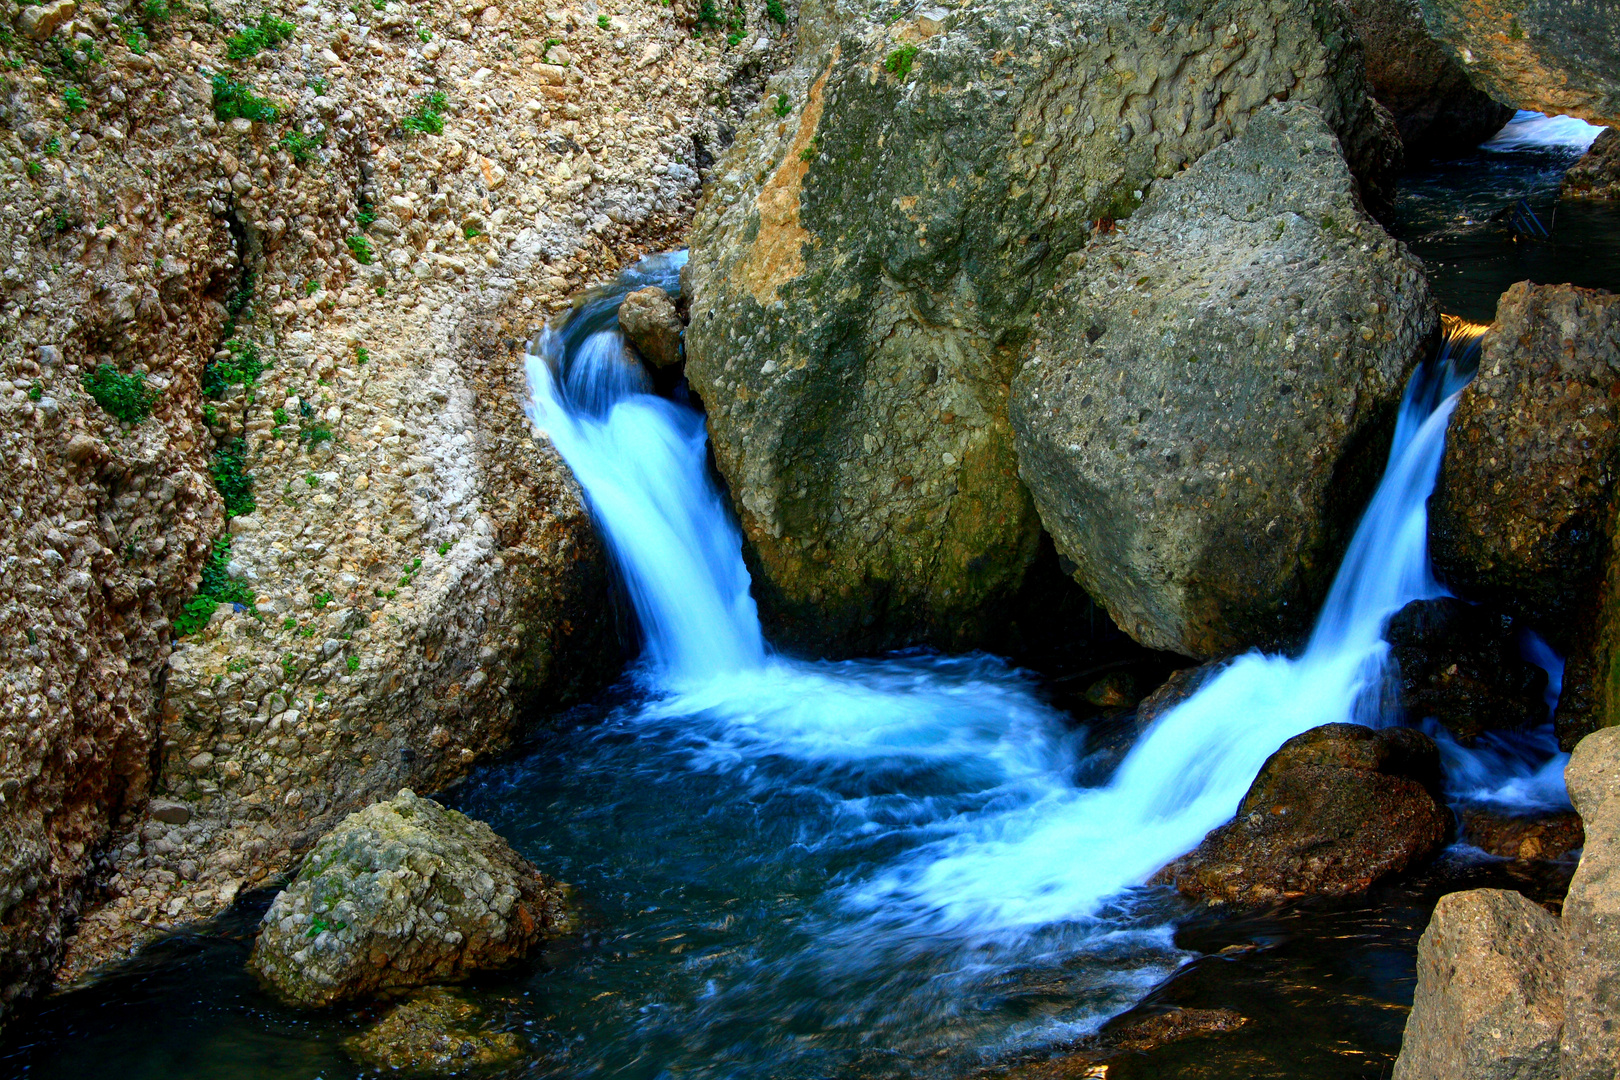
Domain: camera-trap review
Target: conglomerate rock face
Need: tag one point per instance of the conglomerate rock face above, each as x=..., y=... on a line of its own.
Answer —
x=1489, y=1003
x=1591, y=914
x=401, y=198
x=1553, y=56
x=866, y=264
x=1438, y=111
x=1597, y=174
x=1201, y=416
x=1522, y=515
x=403, y=894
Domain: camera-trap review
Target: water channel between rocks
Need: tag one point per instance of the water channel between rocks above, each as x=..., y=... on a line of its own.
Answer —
x=886, y=867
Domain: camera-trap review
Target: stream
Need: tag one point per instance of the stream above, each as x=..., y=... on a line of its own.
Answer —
x=914, y=865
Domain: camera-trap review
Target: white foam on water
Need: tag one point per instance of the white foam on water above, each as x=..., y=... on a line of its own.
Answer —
x=1537, y=131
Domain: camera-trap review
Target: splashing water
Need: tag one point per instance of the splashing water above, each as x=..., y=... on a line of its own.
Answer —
x=959, y=848
x=1537, y=131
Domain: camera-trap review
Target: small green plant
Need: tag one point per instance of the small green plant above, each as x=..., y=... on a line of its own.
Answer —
x=157, y=11
x=900, y=61
x=445, y=547
x=322, y=599
x=811, y=150
x=232, y=479
x=269, y=33
x=234, y=100
x=313, y=434
x=312, y=480
x=216, y=587
x=361, y=355
x=317, y=85
x=354, y=663
x=783, y=105
x=279, y=415
x=289, y=623
x=63, y=221
x=35, y=391
x=424, y=35
x=289, y=667
x=74, y=99
x=382, y=290
x=551, y=43
x=300, y=147
x=210, y=414
x=775, y=11
x=470, y=230
x=366, y=215
x=135, y=39
x=34, y=169
x=428, y=119
x=53, y=146
x=242, y=368
x=360, y=248
x=604, y=22
x=311, y=287
x=125, y=397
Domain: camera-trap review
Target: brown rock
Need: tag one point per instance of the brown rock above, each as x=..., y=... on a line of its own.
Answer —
x=1331, y=812
x=649, y=320
x=1538, y=836
x=435, y=1032
x=1437, y=110
x=1180, y=686
x=1597, y=174
x=1489, y=1001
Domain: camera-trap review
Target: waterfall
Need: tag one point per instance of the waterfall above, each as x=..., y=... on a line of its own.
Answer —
x=957, y=761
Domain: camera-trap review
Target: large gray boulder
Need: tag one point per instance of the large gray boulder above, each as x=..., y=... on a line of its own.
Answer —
x=1489, y=1003
x=399, y=895
x=866, y=263
x=1592, y=914
x=1436, y=108
x=1204, y=410
x=1554, y=56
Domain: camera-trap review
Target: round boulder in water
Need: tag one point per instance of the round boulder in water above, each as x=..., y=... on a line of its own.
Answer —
x=401, y=894
x=648, y=318
x=1206, y=405
x=1333, y=811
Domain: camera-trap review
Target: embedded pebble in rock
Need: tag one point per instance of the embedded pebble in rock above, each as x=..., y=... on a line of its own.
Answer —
x=402, y=894
x=1331, y=812
x=648, y=319
x=435, y=1032
x=417, y=572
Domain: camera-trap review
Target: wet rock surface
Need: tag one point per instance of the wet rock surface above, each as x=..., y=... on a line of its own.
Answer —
x=1522, y=514
x=1437, y=110
x=402, y=894
x=1523, y=837
x=1552, y=56
x=1332, y=811
x=1204, y=410
x=1460, y=665
x=1134, y=1034
x=435, y=1032
x=648, y=319
x=865, y=267
x=1597, y=174
x=1489, y=999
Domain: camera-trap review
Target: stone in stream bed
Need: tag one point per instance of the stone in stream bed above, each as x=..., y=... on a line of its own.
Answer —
x=1523, y=837
x=1597, y=174
x=1489, y=1002
x=1331, y=812
x=401, y=894
x=1460, y=664
x=434, y=1032
x=648, y=318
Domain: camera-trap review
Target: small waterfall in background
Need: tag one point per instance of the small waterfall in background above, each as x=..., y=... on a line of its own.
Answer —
x=937, y=792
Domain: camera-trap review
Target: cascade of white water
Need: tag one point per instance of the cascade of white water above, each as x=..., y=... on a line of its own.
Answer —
x=1000, y=841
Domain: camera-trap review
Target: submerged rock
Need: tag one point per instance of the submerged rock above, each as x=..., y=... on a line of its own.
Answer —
x=1536, y=836
x=866, y=263
x=400, y=894
x=1489, y=1000
x=1437, y=110
x=1591, y=917
x=1522, y=514
x=648, y=319
x=1202, y=416
x=435, y=1031
x=1460, y=664
x=1331, y=812
x=1597, y=174
x=1549, y=55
